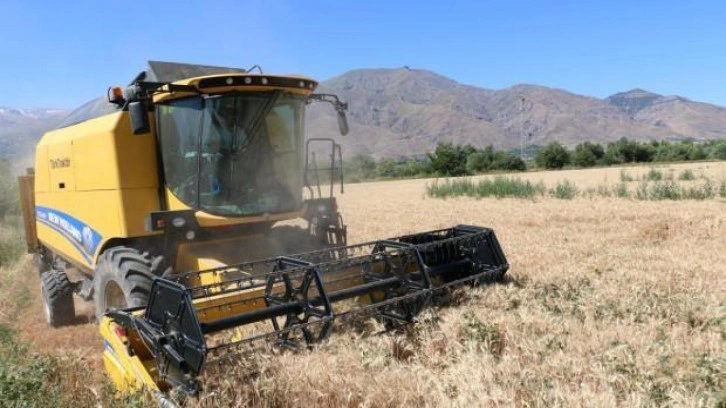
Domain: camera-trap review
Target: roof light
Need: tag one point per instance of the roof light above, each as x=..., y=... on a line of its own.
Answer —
x=116, y=95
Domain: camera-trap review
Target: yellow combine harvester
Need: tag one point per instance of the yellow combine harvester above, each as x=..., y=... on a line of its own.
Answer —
x=164, y=197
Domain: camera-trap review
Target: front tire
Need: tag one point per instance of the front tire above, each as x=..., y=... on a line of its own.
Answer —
x=122, y=280
x=57, y=298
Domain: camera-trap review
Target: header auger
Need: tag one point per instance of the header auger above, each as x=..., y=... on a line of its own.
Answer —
x=160, y=204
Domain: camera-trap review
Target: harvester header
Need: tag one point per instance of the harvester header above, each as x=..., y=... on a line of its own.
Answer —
x=292, y=301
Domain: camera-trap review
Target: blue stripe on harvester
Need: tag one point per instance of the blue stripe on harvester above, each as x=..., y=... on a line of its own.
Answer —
x=84, y=238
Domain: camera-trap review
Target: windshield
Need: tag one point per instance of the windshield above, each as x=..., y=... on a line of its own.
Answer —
x=234, y=154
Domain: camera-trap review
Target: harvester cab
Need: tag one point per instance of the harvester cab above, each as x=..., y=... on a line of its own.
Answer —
x=231, y=146
x=164, y=197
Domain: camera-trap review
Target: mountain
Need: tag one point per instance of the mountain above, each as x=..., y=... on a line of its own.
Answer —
x=633, y=101
x=20, y=130
x=679, y=115
x=401, y=112
x=395, y=112
x=404, y=112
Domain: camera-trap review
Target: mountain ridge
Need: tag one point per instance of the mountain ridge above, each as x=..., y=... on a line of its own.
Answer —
x=389, y=107
x=396, y=112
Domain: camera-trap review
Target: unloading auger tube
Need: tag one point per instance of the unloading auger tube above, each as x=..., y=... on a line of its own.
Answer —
x=188, y=324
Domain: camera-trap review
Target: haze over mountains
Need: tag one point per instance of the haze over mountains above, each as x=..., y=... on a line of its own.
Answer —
x=404, y=112
x=20, y=129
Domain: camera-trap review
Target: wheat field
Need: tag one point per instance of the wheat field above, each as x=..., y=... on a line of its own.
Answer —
x=608, y=302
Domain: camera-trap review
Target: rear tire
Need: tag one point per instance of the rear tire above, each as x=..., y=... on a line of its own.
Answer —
x=57, y=298
x=122, y=280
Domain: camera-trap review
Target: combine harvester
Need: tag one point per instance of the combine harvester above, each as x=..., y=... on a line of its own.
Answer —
x=164, y=197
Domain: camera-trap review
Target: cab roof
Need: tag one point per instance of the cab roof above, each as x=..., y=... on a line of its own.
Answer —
x=156, y=71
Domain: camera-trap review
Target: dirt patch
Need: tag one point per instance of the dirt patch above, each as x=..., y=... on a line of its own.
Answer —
x=27, y=318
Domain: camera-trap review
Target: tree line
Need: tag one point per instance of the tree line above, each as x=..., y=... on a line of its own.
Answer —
x=447, y=159
x=623, y=151
x=451, y=160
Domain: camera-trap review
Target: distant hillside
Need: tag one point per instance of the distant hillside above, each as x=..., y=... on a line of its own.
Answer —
x=677, y=114
x=403, y=112
x=20, y=130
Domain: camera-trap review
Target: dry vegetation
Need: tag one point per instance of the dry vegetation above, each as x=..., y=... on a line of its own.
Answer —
x=609, y=302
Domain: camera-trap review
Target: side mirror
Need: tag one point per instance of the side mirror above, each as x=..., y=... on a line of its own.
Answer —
x=339, y=106
x=139, y=116
x=343, y=123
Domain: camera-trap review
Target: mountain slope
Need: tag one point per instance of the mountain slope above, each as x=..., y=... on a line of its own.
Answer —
x=687, y=118
x=404, y=112
x=20, y=130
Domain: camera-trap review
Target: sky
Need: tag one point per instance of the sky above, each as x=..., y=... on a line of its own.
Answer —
x=60, y=54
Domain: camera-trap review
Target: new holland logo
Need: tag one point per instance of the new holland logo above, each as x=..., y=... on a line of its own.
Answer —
x=83, y=238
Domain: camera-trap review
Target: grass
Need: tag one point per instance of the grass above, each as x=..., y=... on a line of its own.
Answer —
x=620, y=190
x=625, y=176
x=502, y=187
x=11, y=248
x=30, y=379
x=609, y=302
x=33, y=376
x=654, y=186
x=669, y=190
x=654, y=175
x=499, y=187
x=687, y=175
x=564, y=190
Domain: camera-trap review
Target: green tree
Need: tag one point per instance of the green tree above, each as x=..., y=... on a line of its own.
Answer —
x=587, y=154
x=697, y=153
x=664, y=152
x=628, y=151
x=507, y=161
x=718, y=150
x=386, y=168
x=449, y=159
x=478, y=162
x=412, y=168
x=552, y=156
x=672, y=152
x=360, y=167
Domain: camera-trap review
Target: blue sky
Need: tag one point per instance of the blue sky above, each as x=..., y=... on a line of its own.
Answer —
x=60, y=54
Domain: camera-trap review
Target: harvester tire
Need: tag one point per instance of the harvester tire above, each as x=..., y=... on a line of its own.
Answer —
x=122, y=279
x=57, y=293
